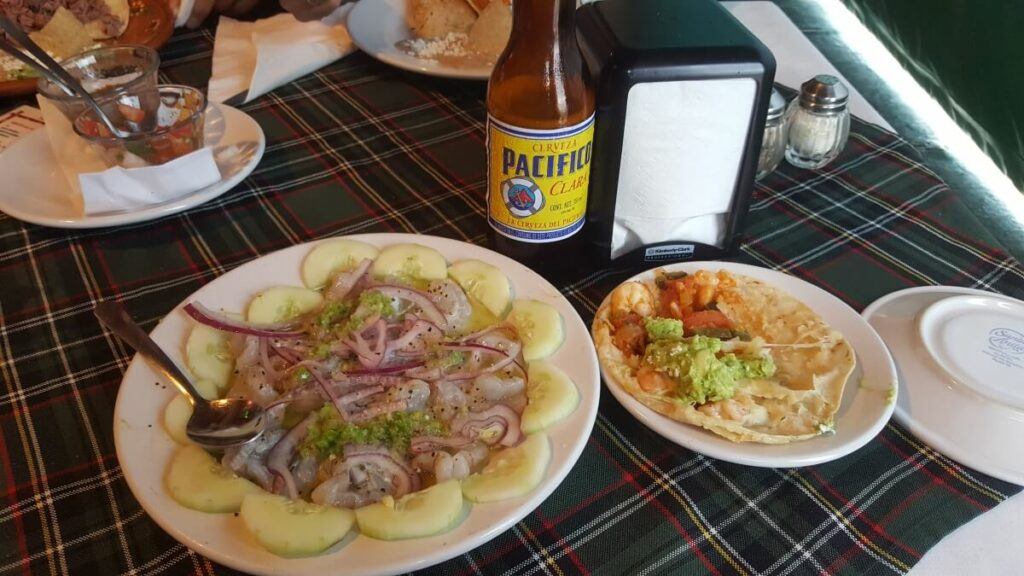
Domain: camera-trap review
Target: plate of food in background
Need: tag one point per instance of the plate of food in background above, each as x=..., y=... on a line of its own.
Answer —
x=744, y=364
x=445, y=38
x=67, y=27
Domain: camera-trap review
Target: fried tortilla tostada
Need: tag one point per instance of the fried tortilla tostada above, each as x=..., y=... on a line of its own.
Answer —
x=725, y=352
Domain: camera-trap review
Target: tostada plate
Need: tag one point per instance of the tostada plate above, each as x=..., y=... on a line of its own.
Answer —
x=744, y=364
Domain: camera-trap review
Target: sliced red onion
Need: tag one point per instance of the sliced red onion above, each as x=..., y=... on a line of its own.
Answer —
x=403, y=479
x=287, y=354
x=508, y=357
x=509, y=328
x=422, y=444
x=388, y=370
x=225, y=323
x=265, y=363
x=473, y=423
x=376, y=410
x=280, y=456
x=345, y=282
x=418, y=299
x=335, y=401
x=360, y=394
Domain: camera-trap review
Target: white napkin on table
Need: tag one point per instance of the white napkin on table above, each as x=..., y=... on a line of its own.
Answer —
x=256, y=57
x=99, y=189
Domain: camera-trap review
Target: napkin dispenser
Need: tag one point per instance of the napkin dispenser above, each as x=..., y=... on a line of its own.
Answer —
x=682, y=91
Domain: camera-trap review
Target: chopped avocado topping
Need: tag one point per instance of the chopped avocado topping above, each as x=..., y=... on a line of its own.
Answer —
x=328, y=435
x=371, y=303
x=663, y=328
x=700, y=373
x=321, y=351
x=302, y=375
x=333, y=313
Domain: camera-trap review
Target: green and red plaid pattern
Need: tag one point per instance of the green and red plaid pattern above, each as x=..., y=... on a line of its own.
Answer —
x=360, y=147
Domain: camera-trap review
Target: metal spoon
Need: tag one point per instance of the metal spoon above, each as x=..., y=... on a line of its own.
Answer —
x=214, y=424
x=54, y=72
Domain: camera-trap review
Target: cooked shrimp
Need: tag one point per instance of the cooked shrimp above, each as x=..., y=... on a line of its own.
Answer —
x=650, y=380
x=632, y=297
x=694, y=292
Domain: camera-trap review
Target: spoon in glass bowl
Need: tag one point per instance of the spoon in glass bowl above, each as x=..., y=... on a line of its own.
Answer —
x=215, y=424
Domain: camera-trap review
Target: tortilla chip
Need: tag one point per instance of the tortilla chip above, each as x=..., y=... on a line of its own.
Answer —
x=63, y=35
x=118, y=8
x=799, y=402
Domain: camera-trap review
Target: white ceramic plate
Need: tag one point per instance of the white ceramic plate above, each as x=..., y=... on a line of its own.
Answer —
x=958, y=419
x=377, y=25
x=144, y=449
x=866, y=406
x=29, y=165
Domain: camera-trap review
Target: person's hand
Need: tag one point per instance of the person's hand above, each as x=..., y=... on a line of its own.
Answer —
x=306, y=10
x=202, y=9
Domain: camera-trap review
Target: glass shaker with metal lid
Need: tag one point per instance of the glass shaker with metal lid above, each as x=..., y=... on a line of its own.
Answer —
x=819, y=122
x=773, y=143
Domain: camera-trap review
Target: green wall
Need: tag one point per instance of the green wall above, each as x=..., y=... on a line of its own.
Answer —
x=969, y=54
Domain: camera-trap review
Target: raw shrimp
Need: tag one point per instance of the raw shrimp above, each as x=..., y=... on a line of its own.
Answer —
x=452, y=301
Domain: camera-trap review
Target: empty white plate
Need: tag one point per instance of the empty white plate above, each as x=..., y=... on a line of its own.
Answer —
x=959, y=391
x=35, y=189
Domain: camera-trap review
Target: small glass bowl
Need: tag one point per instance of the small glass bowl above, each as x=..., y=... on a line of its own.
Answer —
x=114, y=69
x=177, y=127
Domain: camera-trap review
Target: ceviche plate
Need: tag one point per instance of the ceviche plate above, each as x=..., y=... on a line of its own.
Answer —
x=145, y=450
x=867, y=402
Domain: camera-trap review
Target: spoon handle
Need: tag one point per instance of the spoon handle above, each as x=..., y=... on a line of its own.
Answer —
x=117, y=320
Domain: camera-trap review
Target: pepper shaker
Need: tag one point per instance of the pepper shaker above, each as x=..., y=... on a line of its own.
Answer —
x=773, y=143
x=819, y=122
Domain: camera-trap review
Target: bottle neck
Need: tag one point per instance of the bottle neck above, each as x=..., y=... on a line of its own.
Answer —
x=532, y=19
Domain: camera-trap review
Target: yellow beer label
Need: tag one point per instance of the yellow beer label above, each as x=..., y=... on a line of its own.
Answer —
x=537, y=180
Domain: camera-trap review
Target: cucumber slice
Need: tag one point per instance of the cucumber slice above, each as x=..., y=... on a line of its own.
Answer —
x=511, y=472
x=208, y=355
x=282, y=303
x=479, y=317
x=540, y=327
x=484, y=282
x=425, y=513
x=179, y=410
x=199, y=482
x=332, y=256
x=552, y=396
x=293, y=528
x=410, y=261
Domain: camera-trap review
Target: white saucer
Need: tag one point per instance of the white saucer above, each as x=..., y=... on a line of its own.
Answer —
x=979, y=341
x=35, y=190
x=955, y=394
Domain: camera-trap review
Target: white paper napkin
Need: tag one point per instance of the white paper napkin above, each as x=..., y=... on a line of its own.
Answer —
x=98, y=189
x=256, y=57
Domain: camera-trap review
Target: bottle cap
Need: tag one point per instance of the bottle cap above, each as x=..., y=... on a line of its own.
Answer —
x=824, y=92
x=776, y=106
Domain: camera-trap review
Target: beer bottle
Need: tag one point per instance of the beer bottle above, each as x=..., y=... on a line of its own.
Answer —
x=540, y=125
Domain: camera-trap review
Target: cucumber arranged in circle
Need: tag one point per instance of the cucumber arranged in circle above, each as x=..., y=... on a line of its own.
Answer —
x=417, y=515
x=208, y=355
x=179, y=410
x=282, y=303
x=511, y=472
x=410, y=261
x=552, y=396
x=540, y=328
x=332, y=256
x=293, y=528
x=486, y=283
x=199, y=482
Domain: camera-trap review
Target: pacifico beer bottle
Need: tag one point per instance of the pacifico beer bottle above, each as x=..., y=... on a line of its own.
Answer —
x=540, y=125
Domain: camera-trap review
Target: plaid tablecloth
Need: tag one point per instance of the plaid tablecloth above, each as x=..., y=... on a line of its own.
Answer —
x=360, y=147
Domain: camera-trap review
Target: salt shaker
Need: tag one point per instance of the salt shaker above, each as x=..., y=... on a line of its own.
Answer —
x=819, y=122
x=773, y=143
